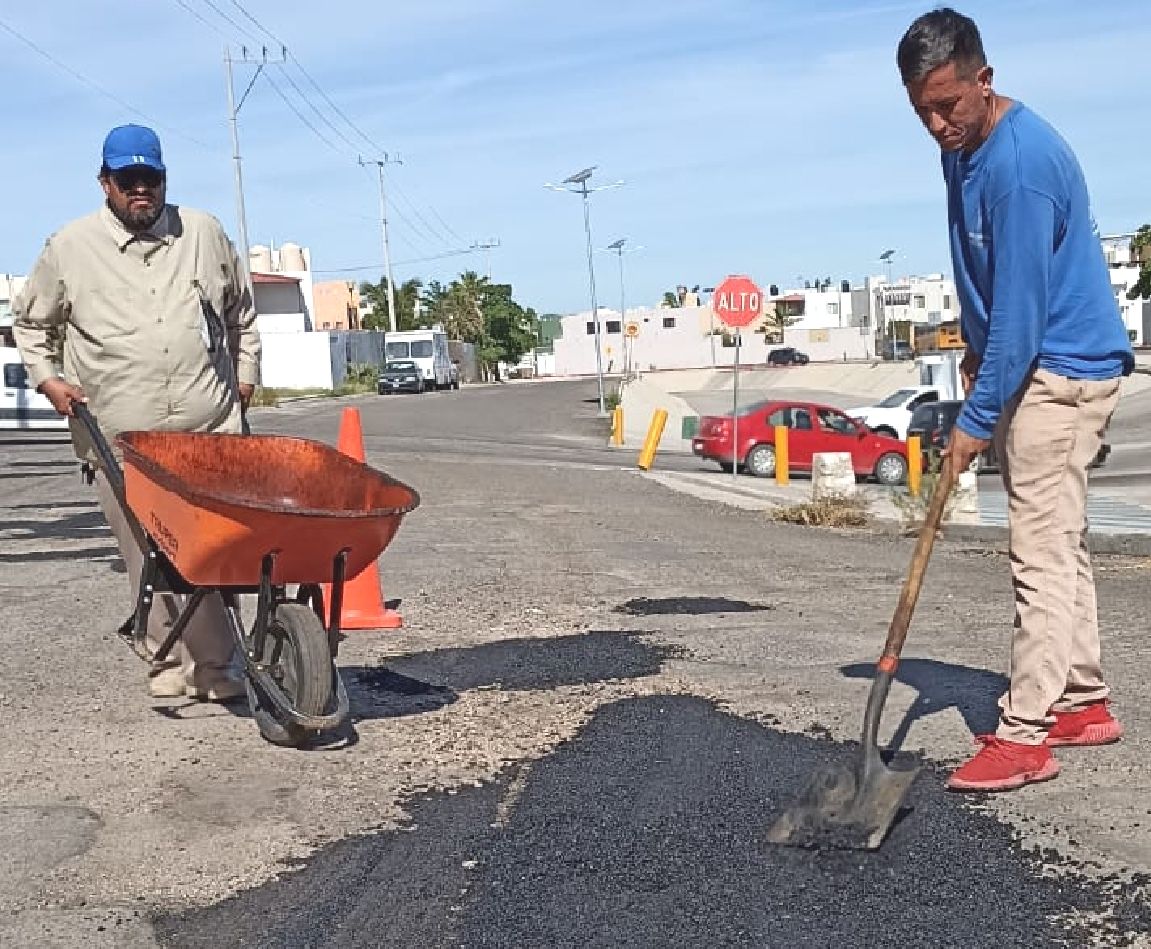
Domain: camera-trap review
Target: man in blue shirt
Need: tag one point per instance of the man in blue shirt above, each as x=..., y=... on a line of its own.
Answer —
x=1046, y=350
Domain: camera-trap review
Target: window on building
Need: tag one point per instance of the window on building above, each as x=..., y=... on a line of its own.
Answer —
x=920, y=302
x=591, y=328
x=327, y=326
x=614, y=326
x=669, y=322
x=947, y=301
x=833, y=309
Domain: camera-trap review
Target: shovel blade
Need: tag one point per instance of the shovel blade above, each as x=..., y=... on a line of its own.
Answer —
x=848, y=808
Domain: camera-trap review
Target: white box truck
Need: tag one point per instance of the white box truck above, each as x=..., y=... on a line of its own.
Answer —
x=428, y=349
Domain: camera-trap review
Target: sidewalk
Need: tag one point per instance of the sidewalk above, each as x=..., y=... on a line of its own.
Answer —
x=1114, y=526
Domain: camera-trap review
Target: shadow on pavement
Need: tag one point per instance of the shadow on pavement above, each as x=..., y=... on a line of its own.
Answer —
x=47, y=556
x=941, y=686
x=81, y=525
x=438, y=676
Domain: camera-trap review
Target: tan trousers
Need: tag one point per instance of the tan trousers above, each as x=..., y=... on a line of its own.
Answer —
x=206, y=650
x=1045, y=441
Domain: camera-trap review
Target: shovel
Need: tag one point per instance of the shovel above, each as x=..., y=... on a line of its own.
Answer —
x=853, y=807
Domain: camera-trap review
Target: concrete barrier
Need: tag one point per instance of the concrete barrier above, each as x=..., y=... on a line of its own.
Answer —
x=832, y=475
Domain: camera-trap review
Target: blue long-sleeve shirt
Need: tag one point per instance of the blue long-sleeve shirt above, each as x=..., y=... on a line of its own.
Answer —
x=1032, y=282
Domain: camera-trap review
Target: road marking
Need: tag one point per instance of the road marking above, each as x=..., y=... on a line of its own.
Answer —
x=1105, y=515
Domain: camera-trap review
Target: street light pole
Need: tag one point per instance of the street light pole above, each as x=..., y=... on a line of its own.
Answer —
x=580, y=180
x=380, y=163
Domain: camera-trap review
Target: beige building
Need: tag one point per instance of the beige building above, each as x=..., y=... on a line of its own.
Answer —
x=336, y=305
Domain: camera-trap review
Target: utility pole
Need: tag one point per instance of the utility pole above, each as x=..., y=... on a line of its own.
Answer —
x=380, y=163
x=486, y=247
x=233, y=112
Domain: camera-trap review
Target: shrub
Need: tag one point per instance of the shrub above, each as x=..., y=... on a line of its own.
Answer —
x=831, y=511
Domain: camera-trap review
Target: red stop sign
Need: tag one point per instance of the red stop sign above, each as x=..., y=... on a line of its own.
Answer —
x=737, y=301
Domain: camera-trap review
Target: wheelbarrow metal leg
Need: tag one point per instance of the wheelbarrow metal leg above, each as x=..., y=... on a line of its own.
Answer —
x=339, y=569
x=181, y=624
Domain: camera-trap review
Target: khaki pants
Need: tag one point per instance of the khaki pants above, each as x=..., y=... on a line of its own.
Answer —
x=206, y=650
x=1045, y=441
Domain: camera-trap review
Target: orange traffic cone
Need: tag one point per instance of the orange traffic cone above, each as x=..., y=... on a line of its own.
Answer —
x=363, y=606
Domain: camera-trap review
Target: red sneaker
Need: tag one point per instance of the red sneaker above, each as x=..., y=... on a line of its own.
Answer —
x=1091, y=725
x=1003, y=766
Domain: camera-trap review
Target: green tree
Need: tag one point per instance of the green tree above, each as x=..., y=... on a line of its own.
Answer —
x=1141, y=252
x=406, y=295
x=777, y=318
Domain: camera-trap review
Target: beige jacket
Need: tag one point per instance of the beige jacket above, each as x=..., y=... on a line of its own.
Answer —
x=135, y=334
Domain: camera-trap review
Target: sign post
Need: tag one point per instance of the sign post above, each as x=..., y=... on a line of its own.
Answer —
x=737, y=303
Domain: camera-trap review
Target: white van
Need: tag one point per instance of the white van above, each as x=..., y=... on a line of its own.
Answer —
x=428, y=349
x=21, y=406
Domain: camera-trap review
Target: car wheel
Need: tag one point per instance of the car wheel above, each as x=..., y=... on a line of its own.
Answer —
x=891, y=469
x=761, y=461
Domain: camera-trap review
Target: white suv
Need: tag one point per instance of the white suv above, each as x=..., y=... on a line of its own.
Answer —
x=892, y=415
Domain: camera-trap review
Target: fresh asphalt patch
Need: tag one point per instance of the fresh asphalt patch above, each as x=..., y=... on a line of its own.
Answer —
x=687, y=606
x=648, y=829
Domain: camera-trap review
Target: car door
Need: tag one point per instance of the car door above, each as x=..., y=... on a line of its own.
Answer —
x=802, y=436
x=838, y=433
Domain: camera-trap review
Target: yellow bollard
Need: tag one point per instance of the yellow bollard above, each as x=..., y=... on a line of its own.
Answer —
x=651, y=442
x=782, y=474
x=617, y=426
x=914, y=464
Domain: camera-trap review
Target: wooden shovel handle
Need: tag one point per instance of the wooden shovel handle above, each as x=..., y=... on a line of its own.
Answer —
x=897, y=632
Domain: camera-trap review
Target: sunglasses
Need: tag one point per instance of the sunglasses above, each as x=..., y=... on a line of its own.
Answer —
x=127, y=179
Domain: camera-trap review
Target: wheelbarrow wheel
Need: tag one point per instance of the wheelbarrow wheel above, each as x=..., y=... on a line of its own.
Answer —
x=298, y=658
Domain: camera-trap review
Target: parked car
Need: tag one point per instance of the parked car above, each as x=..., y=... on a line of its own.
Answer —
x=21, y=406
x=933, y=421
x=892, y=415
x=787, y=356
x=812, y=428
x=402, y=375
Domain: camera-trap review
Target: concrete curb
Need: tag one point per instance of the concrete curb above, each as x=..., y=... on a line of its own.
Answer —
x=884, y=521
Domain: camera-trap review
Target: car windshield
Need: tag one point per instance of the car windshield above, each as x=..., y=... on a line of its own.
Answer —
x=401, y=367
x=896, y=398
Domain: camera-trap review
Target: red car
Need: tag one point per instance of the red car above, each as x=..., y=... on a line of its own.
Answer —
x=811, y=428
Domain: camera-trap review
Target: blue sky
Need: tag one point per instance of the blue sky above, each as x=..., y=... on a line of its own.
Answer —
x=767, y=137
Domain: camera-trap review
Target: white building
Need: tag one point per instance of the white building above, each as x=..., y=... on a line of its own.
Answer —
x=690, y=337
x=1124, y=274
x=926, y=301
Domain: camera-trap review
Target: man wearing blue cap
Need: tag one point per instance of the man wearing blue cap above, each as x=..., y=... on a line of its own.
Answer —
x=159, y=333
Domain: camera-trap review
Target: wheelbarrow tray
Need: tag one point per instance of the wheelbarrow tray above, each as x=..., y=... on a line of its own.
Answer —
x=216, y=505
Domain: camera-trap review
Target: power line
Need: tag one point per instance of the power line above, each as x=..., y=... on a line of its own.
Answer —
x=199, y=16
x=323, y=118
x=410, y=260
x=242, y=29
x=300, y=115
x=80, y=77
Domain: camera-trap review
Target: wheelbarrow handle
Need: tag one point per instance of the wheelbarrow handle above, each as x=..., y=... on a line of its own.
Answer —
x=108, y=462
x=112, y=471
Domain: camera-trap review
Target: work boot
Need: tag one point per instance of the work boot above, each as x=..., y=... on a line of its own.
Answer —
x=213, y=684
x=1002, y=765
x=1092, y=724
x=165, y=682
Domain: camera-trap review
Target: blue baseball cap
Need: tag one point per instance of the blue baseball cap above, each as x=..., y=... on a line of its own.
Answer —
x=132, y=145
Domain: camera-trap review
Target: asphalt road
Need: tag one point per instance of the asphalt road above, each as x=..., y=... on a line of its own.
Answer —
x=603, y=693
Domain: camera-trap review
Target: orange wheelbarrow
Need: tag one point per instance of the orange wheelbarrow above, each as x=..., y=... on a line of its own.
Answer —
x=253, y=514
